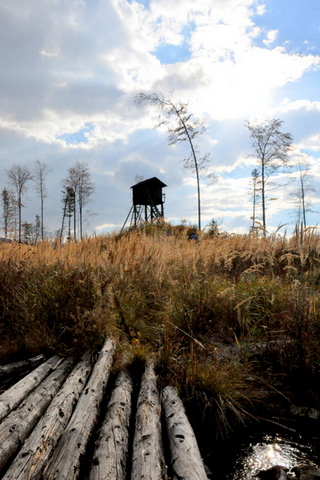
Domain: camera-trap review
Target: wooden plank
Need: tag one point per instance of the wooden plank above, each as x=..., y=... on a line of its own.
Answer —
x=147, y=455
x=186, y=461
x=11, y=370
x=20, y=390
x=38, y=448
x=110, y=456
x=66, y=460
x=19, y=423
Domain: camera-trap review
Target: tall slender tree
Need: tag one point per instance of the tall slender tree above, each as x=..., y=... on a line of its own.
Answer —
x=8, y=211
x=79, y=179
x=301, y=194
x=19, y=176
x=271, y=148
x=68, y=200
x=181, y=126
x=37, y=229
x=255, y=195
x=40, y=173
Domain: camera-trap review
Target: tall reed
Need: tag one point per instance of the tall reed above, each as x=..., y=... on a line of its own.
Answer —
x=216, y=315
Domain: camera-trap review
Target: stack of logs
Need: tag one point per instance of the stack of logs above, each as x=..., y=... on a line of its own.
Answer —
x=51, y=426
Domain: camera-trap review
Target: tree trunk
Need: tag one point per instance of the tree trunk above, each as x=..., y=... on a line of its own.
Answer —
x=19, y=423
x=11, y=370
x=19, y=391
x=38, y=448
x=147, y=456
x=41, y=213
x=263, y=197
x=186, y=461
x=65, y=463
x=110, y=456
x=19, y=217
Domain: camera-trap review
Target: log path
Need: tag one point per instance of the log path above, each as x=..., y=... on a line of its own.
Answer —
x=63, y=421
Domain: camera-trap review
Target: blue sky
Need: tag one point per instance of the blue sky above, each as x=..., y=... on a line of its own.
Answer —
x=71, y=70
x=297, y=24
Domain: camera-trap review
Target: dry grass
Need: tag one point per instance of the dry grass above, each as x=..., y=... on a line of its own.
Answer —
x=202, y=310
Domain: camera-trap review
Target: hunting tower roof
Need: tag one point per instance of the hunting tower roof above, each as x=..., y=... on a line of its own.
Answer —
x=150, y=182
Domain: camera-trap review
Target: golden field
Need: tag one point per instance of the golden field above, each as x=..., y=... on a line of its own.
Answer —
x=232, y=320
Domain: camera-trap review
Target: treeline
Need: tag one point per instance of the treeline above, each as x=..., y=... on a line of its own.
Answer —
x=77, y=189
x=278, y=163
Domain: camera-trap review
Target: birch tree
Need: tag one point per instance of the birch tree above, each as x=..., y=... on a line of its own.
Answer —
x=40, y=173
x=301, y=194
x=79, y=179
x=271, y=148
x=19, y=176
x=181, y=126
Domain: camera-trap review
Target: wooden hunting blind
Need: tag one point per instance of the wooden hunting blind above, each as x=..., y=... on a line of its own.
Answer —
x=147, y=201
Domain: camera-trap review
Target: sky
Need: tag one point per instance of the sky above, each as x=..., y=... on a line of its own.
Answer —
x=71, y=69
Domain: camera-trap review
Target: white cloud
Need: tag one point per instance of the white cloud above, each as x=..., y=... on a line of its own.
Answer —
x=288, y=106
x=271, y=37
x=311, y=143
x=261, y=9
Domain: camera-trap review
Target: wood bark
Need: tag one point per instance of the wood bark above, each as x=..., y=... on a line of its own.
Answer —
x=38, y=448
x=186, y=461
x=20, y=390
x=11, y=370
x=18, y=424
x=147, y=455
x=66, y=460
x=110, y=456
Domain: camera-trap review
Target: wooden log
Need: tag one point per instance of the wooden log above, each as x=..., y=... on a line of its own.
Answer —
x=66, y=460
x=110, y=456
x=38, y=448
x=20, y=390
x=186, y=461
x=147, y=453
x=19, y=423
x=11, y=370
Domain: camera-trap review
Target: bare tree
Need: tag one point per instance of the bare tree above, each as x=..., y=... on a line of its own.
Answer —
x=40, y=173
x=85, y=190
x=301, y=194
x=19, y=176
x=181, y=126
x=79, y=179
x=271, y=148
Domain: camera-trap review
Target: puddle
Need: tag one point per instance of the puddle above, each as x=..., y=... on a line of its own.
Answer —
x=270, y=450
